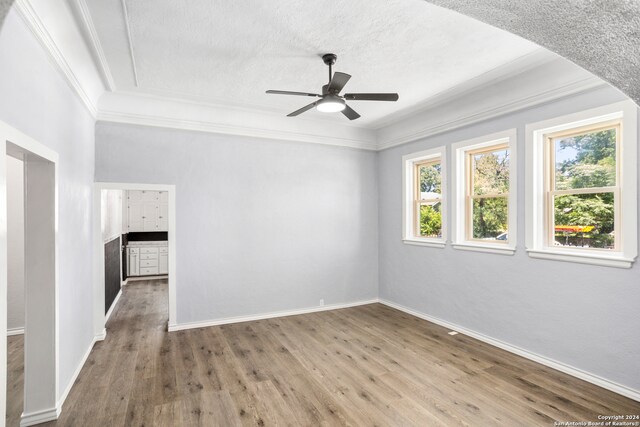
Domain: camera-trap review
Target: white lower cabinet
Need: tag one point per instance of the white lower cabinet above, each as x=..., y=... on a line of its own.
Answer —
x=133, y=261
x=147, y=258
x=163, y=261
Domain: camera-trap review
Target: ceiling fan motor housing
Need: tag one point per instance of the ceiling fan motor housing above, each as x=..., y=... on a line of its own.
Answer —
x=329, y=58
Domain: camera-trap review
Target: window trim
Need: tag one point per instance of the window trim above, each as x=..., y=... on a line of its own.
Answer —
x=410, y=164
x=461, y=173
x=536, y=214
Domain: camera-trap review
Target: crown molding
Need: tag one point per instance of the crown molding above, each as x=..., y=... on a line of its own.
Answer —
x=187, y=115
x=35, y=24
x=467, y=113
x=95, y=45
x=506, y=71
x=141, y=109
x=125, y=15
x=189, y=101
x=227, y=129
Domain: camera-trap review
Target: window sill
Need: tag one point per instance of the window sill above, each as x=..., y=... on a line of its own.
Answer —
x=424, y=242
x=489, y=248
x=618, y=260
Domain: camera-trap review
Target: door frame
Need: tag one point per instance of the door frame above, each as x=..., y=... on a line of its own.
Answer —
x=45, y=404
x=98, y=259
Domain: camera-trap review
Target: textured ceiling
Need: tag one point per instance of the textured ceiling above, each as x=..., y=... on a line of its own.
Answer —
x=602, y=36
x=229, y=53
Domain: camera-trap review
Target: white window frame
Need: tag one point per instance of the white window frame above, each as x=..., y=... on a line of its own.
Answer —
x=408, y=190
x=460, y=150
x=536, y=241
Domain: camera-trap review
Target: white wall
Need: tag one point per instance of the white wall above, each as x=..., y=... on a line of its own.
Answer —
x=37, y=100
x=111, y=214
x=262, y=225
x=15, y=243
x=583, y=316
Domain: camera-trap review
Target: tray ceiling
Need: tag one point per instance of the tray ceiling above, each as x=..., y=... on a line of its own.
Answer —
x=229, y=52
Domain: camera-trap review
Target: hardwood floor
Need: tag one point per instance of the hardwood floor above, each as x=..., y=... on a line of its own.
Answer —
x=15, y=379
x=368, y=365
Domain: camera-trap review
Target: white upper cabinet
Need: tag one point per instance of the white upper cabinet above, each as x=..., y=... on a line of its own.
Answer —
x=147, y=210
x=149, y=216
x=163, y=213
x=135, y=216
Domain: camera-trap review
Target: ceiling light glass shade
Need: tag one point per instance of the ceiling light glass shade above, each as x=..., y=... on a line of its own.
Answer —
x=331, y=104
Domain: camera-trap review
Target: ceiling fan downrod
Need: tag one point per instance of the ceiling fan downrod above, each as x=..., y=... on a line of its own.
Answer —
x=330, y=59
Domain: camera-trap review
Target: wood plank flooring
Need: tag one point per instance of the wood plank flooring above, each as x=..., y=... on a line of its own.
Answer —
x=15, y=379
x=361, y=366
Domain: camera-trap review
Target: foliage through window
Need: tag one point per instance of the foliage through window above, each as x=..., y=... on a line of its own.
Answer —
x=487, y=201
x=582, y=187
x=428, y=199
x=424, y=200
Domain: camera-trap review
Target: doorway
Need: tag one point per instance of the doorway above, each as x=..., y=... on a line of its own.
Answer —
x=39, y=380
x=116, y=228
x=15, y=289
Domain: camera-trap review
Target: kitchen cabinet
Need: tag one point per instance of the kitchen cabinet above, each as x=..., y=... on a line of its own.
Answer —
x=148, y=258
x=147, y=210
x=163, y=214
x=163, y=261
x=149, y=216
x=133, y=261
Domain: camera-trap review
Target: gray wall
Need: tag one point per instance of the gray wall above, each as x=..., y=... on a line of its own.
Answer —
x=262, y=225
x=583, y=316
x=37, y=100
x=111, y=214
x=15, y=243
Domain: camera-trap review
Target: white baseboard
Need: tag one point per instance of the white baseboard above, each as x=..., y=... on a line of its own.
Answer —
x=239, y=319
x=142, y=278
x=15, y=331
x=113, y=305
x=74, y=377
x=562, y=367
x=101, y=336
x=39, y=417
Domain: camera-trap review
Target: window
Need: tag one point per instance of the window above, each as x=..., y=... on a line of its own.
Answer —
x=424, y=201
x=485, y=210
x=582, y=196
x=577, y=206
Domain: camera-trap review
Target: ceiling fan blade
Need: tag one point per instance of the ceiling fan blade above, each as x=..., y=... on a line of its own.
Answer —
x=350, y=113
x=303, y=109
x=338, y=81
x=286, y=92
x=371, y=96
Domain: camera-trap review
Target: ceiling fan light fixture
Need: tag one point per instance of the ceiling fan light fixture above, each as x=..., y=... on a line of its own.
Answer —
x=331, y=104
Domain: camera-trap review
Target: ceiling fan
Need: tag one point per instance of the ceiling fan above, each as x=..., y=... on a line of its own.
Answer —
x=331, y=101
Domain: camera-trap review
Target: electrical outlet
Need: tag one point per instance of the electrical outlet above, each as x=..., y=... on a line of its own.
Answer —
x=321, y=302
